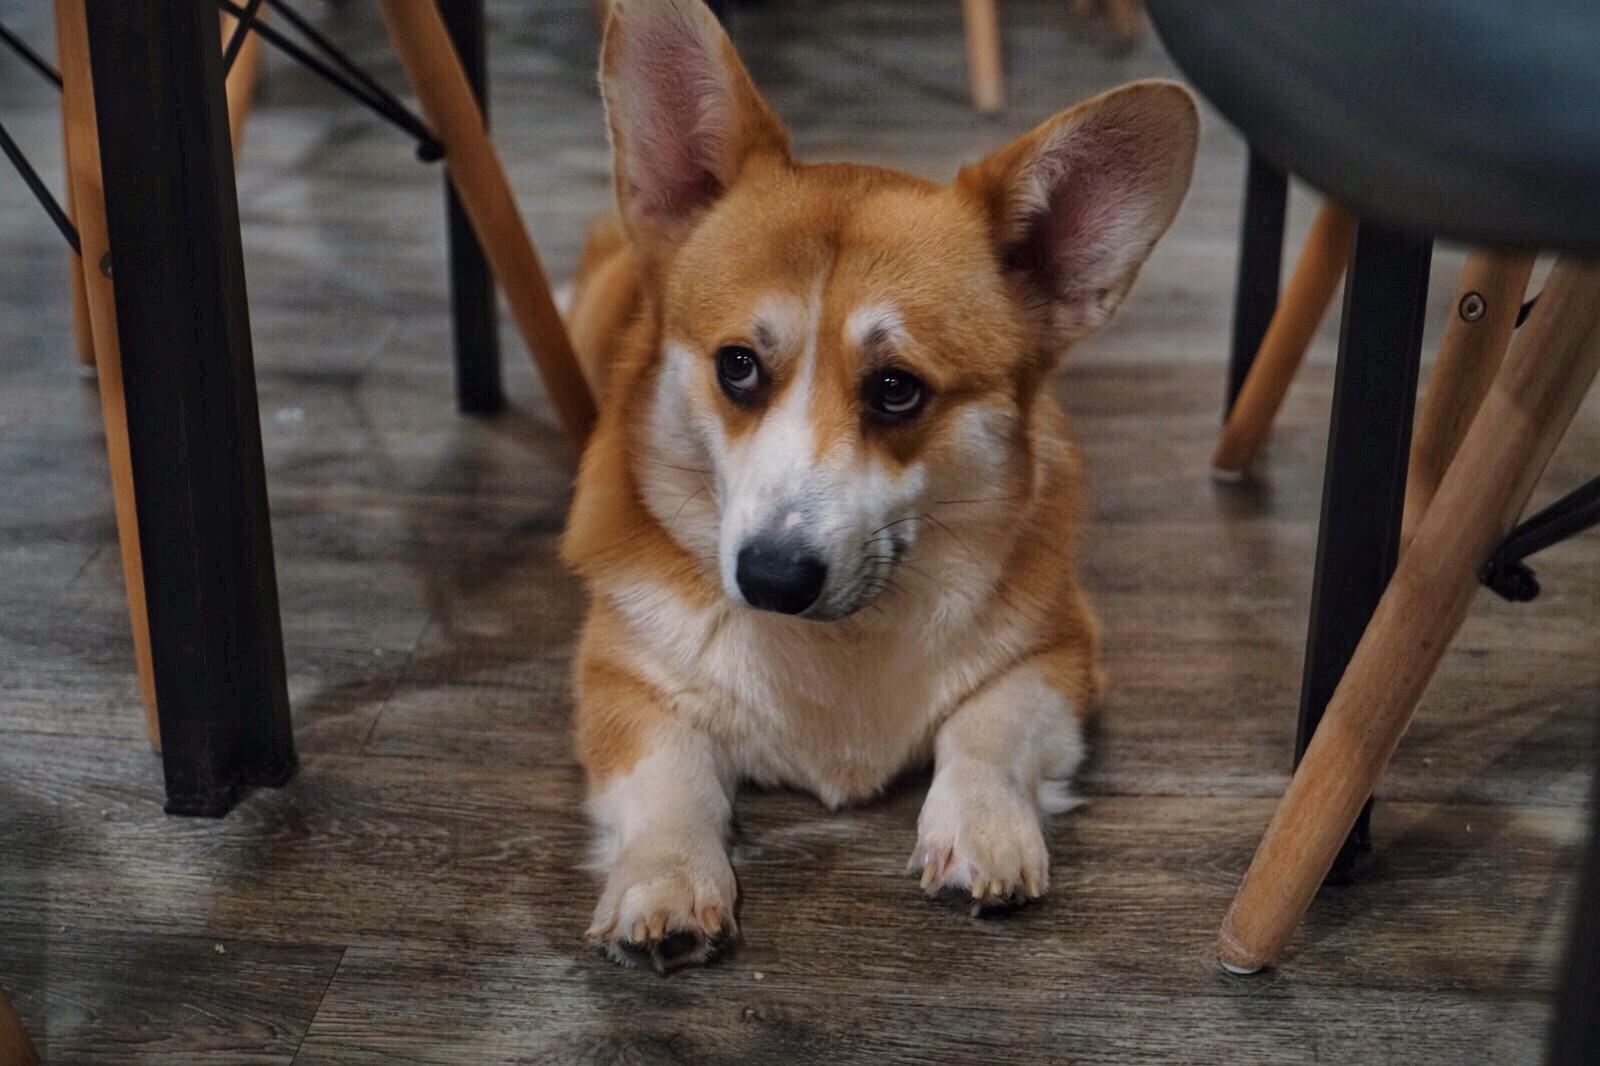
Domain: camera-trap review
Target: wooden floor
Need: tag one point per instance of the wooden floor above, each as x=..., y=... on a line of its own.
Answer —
x=415, y=894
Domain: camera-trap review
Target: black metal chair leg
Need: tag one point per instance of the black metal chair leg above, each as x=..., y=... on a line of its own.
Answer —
x=1255, y=293
x=189, y=380
x=1575, y=1036
x=472, y=291
x=1364, y=483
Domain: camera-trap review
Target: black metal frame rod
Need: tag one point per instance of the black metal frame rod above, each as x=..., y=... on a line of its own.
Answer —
x=40, y=192
x=1507, y=574
x=1573, y=513
x=365, y=90
x=332, y=51
x=244, y=23
x=29, y=56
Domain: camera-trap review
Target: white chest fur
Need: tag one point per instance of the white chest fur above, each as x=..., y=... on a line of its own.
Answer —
x=835, y=708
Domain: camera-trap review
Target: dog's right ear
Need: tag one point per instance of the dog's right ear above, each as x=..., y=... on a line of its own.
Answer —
x=683, y=113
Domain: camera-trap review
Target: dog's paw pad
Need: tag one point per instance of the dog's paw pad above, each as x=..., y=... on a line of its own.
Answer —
x=661, y=947
x=670, y=951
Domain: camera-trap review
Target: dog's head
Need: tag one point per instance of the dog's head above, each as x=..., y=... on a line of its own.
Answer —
x=849, y=357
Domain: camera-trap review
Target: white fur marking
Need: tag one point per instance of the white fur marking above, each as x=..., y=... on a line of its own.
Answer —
x=871, y=324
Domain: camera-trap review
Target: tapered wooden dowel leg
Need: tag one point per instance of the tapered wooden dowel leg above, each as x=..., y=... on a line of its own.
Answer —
x=82, y=333
x=1474, y=344
x=1125, y=18
x=83, y=156
x=1300, y=309
x=984, y=74
x=1528, y=406
x=15, y=1047
x=441, y=86
x=241, y=80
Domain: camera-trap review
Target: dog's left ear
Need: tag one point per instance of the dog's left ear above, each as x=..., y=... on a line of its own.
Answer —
x=1076, y=204
x=685, y=117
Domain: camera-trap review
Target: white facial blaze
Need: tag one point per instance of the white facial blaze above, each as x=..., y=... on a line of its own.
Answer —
x=853, y=510
x=771, y=469
x=677, y=477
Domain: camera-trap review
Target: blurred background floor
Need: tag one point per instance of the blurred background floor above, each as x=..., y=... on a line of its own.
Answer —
x=415, y=894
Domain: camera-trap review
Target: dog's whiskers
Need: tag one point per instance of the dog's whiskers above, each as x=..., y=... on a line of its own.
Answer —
x=674, y=466
x=981, y=499
x=687, y=500
x=896, y=522
x=954, y=535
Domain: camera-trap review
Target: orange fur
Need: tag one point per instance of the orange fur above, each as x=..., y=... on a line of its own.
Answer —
x=980, y=646
x=946, y=286
x=619, y=706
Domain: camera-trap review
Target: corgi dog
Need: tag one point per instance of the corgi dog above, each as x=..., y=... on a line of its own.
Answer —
x=826, y=517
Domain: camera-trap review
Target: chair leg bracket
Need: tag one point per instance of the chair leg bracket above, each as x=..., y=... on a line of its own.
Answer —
x=1507, y=574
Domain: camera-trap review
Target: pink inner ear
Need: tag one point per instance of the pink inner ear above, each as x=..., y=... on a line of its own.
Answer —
x=1088, y=219
x=676, y=103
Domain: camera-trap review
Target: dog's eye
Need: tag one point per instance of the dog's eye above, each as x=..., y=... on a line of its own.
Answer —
x=738, y=372
x=894, y=393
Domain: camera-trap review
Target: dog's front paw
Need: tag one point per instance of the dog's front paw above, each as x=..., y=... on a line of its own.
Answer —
x=979, y=833
x=665, y=909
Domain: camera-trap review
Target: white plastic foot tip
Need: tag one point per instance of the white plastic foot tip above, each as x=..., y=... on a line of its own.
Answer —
x=1227, y=477
x=1237, y=970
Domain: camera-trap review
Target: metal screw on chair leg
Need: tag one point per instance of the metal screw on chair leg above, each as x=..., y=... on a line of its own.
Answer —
x=105, y=264
x=1472, y=307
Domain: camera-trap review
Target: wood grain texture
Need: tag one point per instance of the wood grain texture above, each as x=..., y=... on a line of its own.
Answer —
x=178, y=998
x=1305, y=299
x=82, y=332
x=1471, y=350
x=16, y=1049
x=435, y=834
x=83, y=155
x=984, y=66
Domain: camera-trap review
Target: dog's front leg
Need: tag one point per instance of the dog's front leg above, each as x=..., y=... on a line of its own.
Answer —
x=1001, y=760
x=669, y=890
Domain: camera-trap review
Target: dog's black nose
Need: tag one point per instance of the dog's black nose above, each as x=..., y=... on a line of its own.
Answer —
x=780, y=575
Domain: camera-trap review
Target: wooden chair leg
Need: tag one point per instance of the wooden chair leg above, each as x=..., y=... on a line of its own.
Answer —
x=1305, y=300
x=441, y=86
x=984, y=73
x=15, y=1047
x=241, y=81
x=82, y=333
x=183, y=325
x=1126, y=18
x=1363, y=481
x=1471, y=350
x=83, y=157
x=1528, y=406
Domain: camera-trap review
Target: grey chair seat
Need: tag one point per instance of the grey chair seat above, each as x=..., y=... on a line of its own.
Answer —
x=1461, y=118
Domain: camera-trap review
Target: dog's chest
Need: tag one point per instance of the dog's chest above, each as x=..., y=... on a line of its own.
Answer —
x=838, y=721
x=838, y=713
